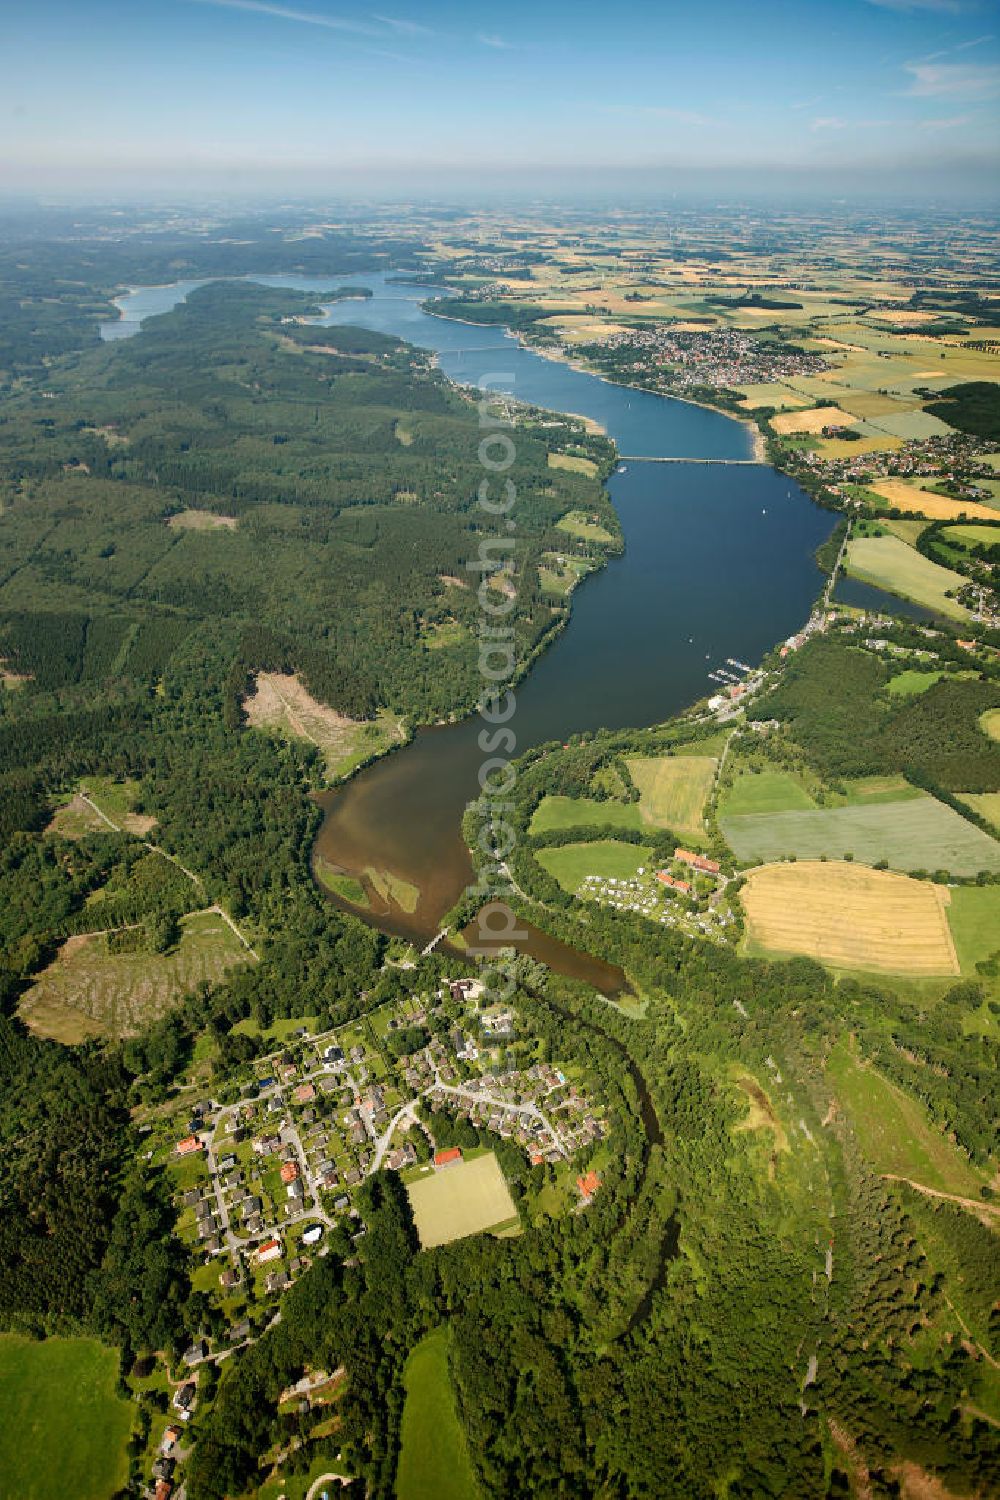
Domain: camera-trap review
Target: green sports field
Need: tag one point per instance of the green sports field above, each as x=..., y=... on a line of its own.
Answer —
x=62, y=1427
x=434, y=1457
x=570, y=864
x=462, y=1199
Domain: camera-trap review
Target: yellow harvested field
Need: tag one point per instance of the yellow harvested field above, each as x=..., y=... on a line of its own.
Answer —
x=813, y=420
x=850, y=917
x=449, y=1203
x=903, y=496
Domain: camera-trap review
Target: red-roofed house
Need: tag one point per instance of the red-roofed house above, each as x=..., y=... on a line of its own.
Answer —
x=289, y=1171
x=270, y=1250
x=447, y=1158
x=304, y=1093
x=588, y=1185
x=189, y=1144
x=668, y=879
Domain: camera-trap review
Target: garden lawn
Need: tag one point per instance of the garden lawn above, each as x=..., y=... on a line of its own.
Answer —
x=63, y=1428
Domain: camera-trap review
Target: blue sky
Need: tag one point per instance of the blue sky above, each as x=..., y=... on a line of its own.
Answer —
x=158, y=95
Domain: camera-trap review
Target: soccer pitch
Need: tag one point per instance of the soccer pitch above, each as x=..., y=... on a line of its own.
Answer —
x=464, y=1199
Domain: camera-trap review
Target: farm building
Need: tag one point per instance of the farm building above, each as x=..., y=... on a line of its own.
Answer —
x=447, y=1158
x=697, y=861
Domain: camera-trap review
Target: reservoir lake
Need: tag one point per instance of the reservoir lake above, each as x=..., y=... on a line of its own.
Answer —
x=718, y=562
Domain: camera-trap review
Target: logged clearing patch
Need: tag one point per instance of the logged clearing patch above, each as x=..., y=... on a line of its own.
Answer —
x=989, y=723
x=813, y=421
x=451, y=1202
x=673, y=789
x=87, y=991
x=201, y=520
x=281, y=704
x=912, y=499
x=850, y=917
x=76, y=818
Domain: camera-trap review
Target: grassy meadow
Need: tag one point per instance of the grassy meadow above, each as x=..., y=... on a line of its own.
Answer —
x=555, y=812
x=673, y=790
x=434, y=1456
x=570, y=864
x=63, y=1428
x=893, y=1129
x=890, y=564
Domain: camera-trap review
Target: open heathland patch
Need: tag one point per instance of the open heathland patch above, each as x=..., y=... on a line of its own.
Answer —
x=850, y=917
x=673, y=789
x=892, y=565
x=281, y=704
x=893, y=1129
x=570, y=864
x=88, y=991
x=61, y=1417
x=466, y=1198
x=915, y=833
x=584, y=812
x=434, y=1455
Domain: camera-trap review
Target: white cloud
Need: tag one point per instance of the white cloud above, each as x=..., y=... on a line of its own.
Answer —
x=490, y=39
x=941, y=7
x=940, y=80
x=305, y=17
x=952, y=122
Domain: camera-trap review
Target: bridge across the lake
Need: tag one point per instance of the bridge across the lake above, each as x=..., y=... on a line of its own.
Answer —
x=641, y=458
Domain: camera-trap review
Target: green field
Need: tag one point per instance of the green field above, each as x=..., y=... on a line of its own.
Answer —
x=764, y=792
x=570, y=864
x=986, y=804
x=466, y=1198
x=893, y=1129
x=87, y=991
x=972, y=536
x=62, y=1427
x=974, y=919
x=908, y=684
x=434, y=1457
x=673, y=790
x=584, y=812
x=915, y=833
x=890, y=564
x=990, y=723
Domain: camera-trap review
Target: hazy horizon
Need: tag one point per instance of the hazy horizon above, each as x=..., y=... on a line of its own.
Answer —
x=250, y=98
